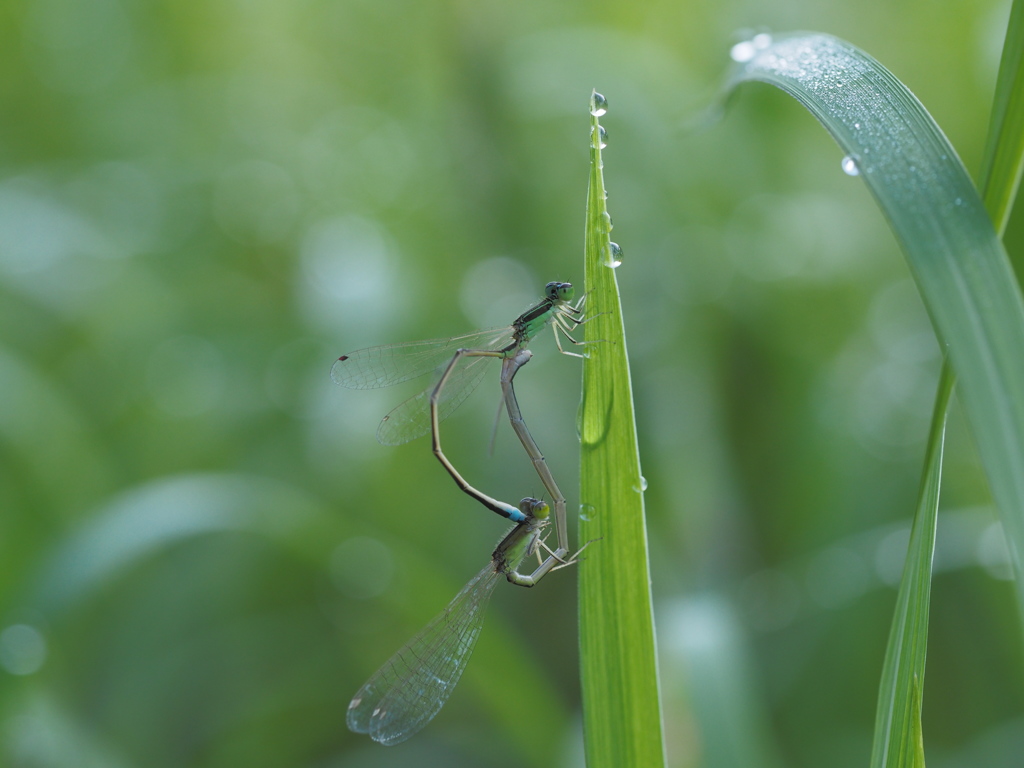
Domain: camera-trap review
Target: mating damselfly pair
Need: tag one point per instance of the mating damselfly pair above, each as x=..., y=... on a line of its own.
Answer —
x=411, y=687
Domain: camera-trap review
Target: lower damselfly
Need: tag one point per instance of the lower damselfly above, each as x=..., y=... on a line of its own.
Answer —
x=410, y=688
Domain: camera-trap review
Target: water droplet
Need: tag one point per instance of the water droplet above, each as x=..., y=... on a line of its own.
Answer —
x=642, y=486
x=598, y=104
x=587, y=512
x=958, y=201
x=593, y=417
x=614, y=255
x=850, y=167
x=746, y=50
x=602, y=137
x=742, y=52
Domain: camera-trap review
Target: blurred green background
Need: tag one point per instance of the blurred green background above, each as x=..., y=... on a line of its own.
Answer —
x=205, y=552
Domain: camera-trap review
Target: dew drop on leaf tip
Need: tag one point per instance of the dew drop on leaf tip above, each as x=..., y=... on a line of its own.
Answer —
x=598, y=104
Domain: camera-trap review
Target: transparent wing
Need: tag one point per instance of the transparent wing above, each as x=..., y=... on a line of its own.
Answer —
x=409, y=690
x=411, y=419
x=376, y=367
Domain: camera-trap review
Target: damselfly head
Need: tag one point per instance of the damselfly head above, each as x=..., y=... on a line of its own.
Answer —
x=534, y=509
x=559, y=291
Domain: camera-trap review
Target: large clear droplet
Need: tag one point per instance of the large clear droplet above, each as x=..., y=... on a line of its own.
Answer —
x=598, y=104
x=615, y=255
x=850, y=167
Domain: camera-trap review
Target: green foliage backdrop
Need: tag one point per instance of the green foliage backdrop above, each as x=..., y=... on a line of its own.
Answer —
x=204, y=551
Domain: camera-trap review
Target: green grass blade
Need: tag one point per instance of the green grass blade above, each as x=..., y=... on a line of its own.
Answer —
x=618, y=666
x=898, y=720
x=954, y=254
x=913, y=749
x=898, y=736
x=1004, y=148
x=898, y=717
x=898, y=732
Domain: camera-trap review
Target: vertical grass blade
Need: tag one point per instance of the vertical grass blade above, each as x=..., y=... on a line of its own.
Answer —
x=1004, y=148
x=898, y=717
x=618, y=666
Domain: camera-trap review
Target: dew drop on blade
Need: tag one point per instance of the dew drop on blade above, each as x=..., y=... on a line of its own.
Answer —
x=615, y=255
x=850, y=167
x=742, y=52
x=598, y=104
